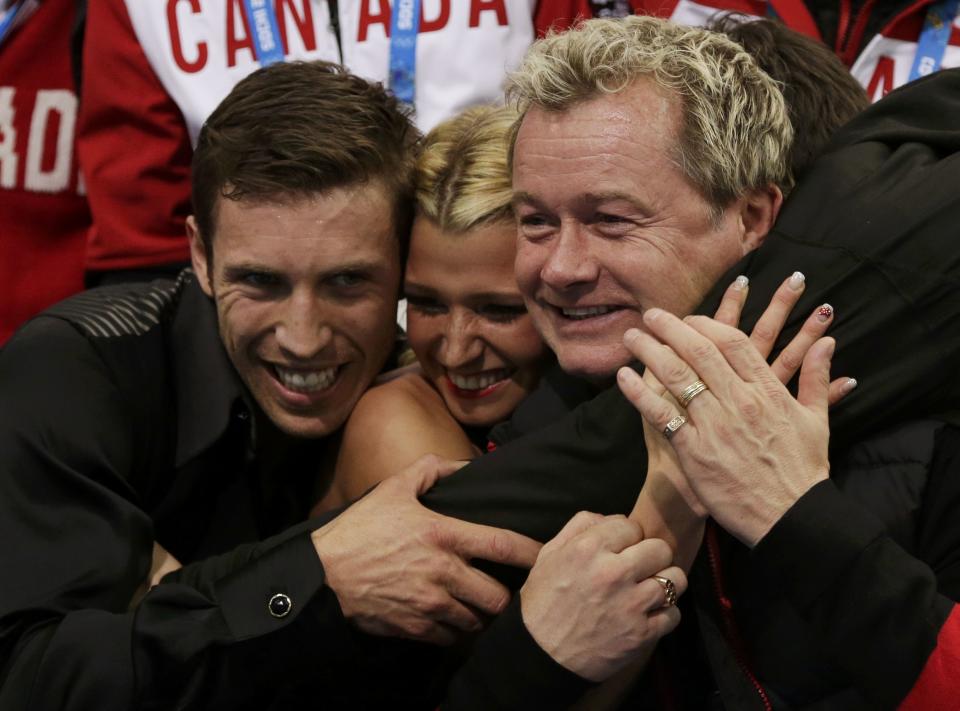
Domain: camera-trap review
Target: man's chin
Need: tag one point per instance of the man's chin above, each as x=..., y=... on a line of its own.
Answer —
x=599, y=368
x=306, y=427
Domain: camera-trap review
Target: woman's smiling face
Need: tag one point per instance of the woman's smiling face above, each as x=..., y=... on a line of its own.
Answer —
x=466, y=320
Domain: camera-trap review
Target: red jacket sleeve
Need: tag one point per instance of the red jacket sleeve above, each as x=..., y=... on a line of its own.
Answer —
x=134, y=150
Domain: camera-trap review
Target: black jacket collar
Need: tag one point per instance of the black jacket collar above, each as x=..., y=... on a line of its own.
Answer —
x=208, y=388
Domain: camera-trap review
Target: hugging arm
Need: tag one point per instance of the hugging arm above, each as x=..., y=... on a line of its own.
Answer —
x=74, y=441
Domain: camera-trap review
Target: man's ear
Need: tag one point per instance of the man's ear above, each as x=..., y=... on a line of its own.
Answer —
x=198, y=256
x=758, y=212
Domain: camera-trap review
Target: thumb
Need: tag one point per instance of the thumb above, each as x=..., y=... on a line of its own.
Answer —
x=427, y=471
x=814, y=390
x=576, y=525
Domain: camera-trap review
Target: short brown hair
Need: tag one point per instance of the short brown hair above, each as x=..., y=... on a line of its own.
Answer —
x=294, y=129
x=820, y=92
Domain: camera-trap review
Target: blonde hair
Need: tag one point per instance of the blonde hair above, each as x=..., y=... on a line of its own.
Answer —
x=735, y=134
x=462, y=175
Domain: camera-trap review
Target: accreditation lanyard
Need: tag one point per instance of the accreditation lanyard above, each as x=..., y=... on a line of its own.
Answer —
x=934, y=38
x=404, y=23
x=9, y=18
x=266, y=32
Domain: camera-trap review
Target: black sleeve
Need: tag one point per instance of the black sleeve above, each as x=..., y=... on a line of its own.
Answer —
x=590, y=460
x=77, y=546
x=527, y=678
x=877, y=608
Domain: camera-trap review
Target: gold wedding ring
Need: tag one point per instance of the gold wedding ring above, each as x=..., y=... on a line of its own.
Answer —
x=669, y=590
x=690, y=392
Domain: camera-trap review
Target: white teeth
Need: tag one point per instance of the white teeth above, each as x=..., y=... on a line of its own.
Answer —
x=586, y=312
x=302, y=382
x=479, y=381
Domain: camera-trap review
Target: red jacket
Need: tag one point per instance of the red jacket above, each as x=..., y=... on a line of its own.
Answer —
x=880, y=63
x=43, y=212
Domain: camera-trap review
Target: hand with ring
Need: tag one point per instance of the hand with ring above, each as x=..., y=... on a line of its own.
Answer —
x=600, y=595
x=667, y=507
x=748, y=449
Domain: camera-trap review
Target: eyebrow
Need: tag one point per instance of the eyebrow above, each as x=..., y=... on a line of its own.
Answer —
x=234, y=271
x=521, y=196
x=588, y=199
x=614, y=196
x=421, y=290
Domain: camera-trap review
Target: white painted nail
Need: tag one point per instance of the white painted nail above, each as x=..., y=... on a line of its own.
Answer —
x=741, y=282
x=796, y=280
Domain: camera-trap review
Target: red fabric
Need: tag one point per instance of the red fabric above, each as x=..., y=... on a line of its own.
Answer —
x=938, y=686
x=664, y=8
x=561, y=14
x=795, y=15
x=43, y=219
x=134, y=147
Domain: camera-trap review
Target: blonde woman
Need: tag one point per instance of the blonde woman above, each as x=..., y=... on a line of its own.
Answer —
x=478, y=353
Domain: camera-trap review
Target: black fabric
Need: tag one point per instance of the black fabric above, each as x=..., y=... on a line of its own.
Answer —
x=840, y=605
x=122, y=422
x=528, y=677
x=873, y=227
x=855, y=570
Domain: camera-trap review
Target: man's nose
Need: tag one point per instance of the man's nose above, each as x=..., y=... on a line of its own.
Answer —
x=459, y=342
x=303, y=329
x=569, y=261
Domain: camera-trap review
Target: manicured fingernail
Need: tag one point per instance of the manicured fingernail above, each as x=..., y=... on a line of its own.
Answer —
x=740, y=283
x=824, y=313
x=849, y=385
x=653, y=314
x=796, y=280
x=630, y=334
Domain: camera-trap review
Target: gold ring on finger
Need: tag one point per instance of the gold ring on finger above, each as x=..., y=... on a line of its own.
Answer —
x=690, y=392
x=669, y=590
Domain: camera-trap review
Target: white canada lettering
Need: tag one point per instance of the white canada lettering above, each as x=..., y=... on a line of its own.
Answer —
x=57, y=178
x=190, y=55
x=8, y=139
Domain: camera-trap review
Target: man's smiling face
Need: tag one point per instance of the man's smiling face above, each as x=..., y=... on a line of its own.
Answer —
x=610, y=226
x=306, y=293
